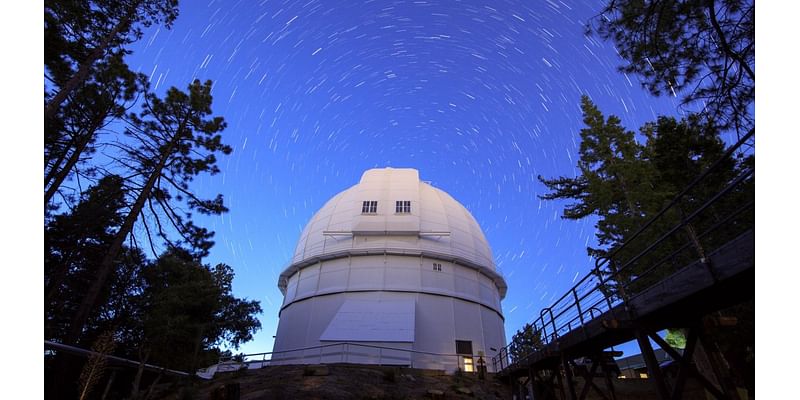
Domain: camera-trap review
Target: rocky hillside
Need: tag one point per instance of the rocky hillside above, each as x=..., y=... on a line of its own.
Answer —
x=339, y=381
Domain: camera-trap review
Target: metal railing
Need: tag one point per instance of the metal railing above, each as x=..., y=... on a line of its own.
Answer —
x=117, y=360
x=614, y=281
x=346, y=352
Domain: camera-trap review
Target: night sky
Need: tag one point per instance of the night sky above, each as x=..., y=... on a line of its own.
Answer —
x=479, y=96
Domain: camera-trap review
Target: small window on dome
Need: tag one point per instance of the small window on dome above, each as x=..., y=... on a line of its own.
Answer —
x=402, y=207
x=369, y=207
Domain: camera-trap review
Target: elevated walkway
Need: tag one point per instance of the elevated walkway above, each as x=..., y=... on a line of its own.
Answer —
x=694, y=257
x=677, y=300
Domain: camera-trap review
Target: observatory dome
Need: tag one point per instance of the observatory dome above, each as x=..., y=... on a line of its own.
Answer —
x=443, y=226
x=391, y=261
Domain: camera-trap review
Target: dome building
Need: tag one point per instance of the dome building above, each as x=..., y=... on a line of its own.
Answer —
x=398, y=270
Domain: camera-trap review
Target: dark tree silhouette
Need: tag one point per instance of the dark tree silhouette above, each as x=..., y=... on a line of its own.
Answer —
x=187, y=310
x=177, y=140
x=614, y=183
x=703, y=50
x=74, y=245
x=79, y=33
x=71, y=135
x=625, y=184
x=526, y=341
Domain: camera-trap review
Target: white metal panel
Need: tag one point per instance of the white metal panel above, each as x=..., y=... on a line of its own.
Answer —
x=371, y=321
x=291, y=289
x=367, y=261
x=493, y=332
x=468, y=324
x=293, y=325
x=466, y=282
x=398, y=278
x=432, y=211
x=333, y=281
x=402, y=242
x=366, y=278
x=321, y=314
x=307, y=286
x=435, y=324
x=438, y=281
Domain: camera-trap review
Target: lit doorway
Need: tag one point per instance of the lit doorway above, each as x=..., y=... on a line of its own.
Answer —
x=464, y=350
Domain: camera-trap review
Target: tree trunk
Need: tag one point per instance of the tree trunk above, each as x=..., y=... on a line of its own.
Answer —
x=109, y=383
x=138, y=378
x=86, y=66
x=61, y=175
x=197, y=344
x=105, y=267
x=153, y=385
x=55, y=164
x=56, y=177
x=726, y=48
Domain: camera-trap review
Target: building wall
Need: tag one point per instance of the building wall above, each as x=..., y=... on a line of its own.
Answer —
x=392, y=273
x=438, y=322
x=456, y=303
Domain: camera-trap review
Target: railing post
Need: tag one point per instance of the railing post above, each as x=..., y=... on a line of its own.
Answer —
x=553, y=322
x=578, y=305
x=544, y=328
x=653, y=369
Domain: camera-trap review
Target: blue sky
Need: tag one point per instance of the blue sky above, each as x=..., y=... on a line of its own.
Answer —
x=479, y=96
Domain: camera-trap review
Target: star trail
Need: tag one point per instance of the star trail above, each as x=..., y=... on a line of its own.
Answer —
x=480, y=96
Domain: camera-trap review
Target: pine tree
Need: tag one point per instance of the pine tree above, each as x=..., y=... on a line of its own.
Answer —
x=625, y=185
x=71, y=135
x=74, y=244
x=187, y=310
x=614, y=182
x=79, y=33
x=701, y=49
x=526, y=341
x=177, y=140
x=87, y=83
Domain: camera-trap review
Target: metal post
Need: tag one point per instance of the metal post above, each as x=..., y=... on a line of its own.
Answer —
x=568, y=377
x=578, y=305
x=557, y=374
x=718, y=366
x=653, y=370
x=531, y=381
x=688, y=353
x=609, y=382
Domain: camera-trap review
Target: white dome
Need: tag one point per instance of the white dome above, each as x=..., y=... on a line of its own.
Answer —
x=436, y=225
